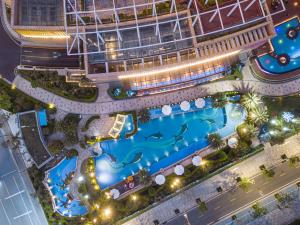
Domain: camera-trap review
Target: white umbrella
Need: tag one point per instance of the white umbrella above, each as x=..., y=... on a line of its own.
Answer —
x=166, y=110
x=185, y=106
x=232, y=142
x=196, y=160
x=160, y=179
x=115, y=193
x=179, y=170
x=200, y=103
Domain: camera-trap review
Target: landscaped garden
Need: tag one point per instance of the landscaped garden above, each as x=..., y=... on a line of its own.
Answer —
x=102, y=207
x=52, y=82
x=15, y=101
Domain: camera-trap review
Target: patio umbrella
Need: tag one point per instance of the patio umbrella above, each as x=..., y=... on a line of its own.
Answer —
x=166, y=110
x=115, y=193
x=200, y=103
x=232, y=142
x=160, y=179
x=196, y=160
x=179, y=170
x=185, y=106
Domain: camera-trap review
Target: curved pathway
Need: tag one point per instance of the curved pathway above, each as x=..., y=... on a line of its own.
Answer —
x=105, y=107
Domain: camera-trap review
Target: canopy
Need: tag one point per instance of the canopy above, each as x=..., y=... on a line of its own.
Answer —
x=160, y=179
x=179, y=170
x=166, y=110
x=185, y=106
x=232, y=142
x=200, y=103
x=196, y=160
x=115, y=193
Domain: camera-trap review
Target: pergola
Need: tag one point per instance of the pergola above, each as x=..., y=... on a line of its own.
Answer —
x=185, y=24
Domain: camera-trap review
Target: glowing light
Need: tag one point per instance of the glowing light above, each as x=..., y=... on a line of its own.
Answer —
x=285, y=129
x=280, y=41
x=296, y=4
x=134, y=197
x=107, y=212
x=80, y=179
x=86, y=196
x=13, y=86
x=49, y=180
x=94, y=220
x=273, y=121
x=179, y=67
x=51, y=105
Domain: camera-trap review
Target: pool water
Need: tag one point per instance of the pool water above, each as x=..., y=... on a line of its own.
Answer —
x=283, y=45
x=43, y=118
x=163, y=141
x=56, y=177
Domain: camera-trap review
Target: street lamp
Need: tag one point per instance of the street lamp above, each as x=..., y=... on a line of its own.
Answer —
x=186, y=222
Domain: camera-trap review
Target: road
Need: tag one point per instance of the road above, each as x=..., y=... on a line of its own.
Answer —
x=233, y=200
x=48, y=57
x=17, y=204
x=9, y=55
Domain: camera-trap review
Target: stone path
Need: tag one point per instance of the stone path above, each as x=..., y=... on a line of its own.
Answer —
x=207, y=190
x=106, y=107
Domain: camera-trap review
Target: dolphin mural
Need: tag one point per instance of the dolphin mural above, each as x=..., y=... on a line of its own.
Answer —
x=157, y=135
x=137, y=157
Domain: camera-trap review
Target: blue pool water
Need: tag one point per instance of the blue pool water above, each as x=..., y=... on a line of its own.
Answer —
x=43, y=118
x=56, y=178
x=163, y=141
x=283, y=45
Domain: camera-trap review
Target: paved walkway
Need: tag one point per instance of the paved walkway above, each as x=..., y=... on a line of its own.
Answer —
x=105, y=107
x=207, y=190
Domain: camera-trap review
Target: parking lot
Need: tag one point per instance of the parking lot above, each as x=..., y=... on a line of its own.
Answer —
x=18, y=206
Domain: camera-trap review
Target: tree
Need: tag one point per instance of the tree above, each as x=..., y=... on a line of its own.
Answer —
x=5, y=101
x=251, y=101
x=284, y=199
x=240, y=150
x=219, y=100
x=215, y=140
x=144, y=115
x=69, y=127
x=245, y=183
x=258, y=116
x=258, y=210
x=56, y=146
x=144, y=177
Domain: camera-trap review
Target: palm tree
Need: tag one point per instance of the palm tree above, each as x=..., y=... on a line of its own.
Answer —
x=215, y=140
x=251, y=101
x=258, y=116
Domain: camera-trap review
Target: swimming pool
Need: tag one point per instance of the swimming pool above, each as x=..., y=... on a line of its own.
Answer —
x=56, y=177
x=286, y=55
x=164, y=140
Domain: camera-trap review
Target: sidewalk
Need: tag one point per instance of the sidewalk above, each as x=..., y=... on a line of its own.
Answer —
x=106, y=106
x=207, y=190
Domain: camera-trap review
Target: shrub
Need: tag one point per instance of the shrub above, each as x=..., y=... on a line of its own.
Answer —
x=70, y=153
x=144, y=115
x=215, y=140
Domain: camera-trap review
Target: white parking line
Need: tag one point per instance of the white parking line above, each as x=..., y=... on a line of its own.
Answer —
x=5, y=212
x=20, y=192
x=31, y=203
x=24, y=202
x=8, y=173
x=24, y=214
